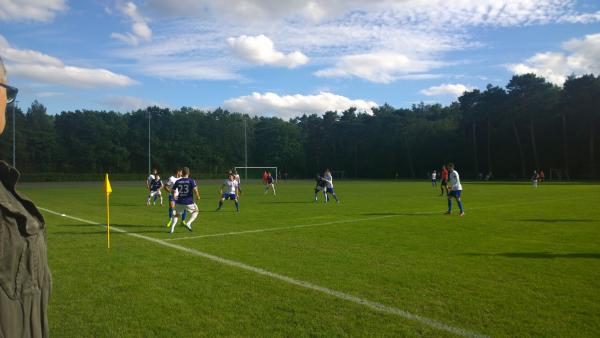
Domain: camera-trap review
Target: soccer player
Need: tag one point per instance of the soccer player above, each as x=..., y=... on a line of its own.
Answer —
x=454, y=190
x=534, y=179
x=444, y=183
x=434, y=179
x=186, y=189
x=329, y=186
x=320, y=186
x=172, y=197
x=154, y=185
x=270, y=183
x=236, y=176
x=229, y=191
x=541, y=175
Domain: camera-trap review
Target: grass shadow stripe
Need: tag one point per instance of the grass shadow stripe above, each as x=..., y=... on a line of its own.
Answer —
x=297, y=282
x=279, y=228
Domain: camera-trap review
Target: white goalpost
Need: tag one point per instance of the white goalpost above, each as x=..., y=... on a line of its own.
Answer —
x=246, y=171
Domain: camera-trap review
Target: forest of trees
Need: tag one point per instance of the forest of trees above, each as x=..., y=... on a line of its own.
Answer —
x=529, y=124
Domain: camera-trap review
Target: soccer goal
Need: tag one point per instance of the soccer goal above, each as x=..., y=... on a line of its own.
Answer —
x=256, y=172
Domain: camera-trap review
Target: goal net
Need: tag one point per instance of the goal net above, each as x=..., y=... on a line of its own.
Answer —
x=256, y=173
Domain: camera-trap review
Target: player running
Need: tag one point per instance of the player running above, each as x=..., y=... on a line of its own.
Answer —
x=154, y=184
x=270, y=183
x=444, y=183
x=229, y=191
x=434, y=179
x=454, y=190
x=169, y=189
x=329, y=186
x=186, y=189
x=320, y=186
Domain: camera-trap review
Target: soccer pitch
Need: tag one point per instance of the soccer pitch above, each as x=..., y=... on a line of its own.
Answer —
x=383, y=262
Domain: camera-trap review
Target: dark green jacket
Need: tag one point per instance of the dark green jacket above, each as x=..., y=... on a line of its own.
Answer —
x=25, y=280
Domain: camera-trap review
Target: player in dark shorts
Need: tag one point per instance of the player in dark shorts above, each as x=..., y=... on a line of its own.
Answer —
x=320, y=186
x=444, y=177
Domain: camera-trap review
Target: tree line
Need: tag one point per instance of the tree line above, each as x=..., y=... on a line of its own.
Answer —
x=530, y=124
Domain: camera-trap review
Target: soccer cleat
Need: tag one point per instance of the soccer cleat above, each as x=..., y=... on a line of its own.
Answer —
x=461, y=214
x=189, y=227
x=448, y=213
x=170, y=222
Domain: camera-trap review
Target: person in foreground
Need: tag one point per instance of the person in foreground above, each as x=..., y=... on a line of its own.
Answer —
x=229, y=191
x=185, y=188
x=454, y=190
x=25, y=280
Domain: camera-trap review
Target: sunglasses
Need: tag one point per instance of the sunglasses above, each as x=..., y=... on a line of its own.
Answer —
x=11, y=93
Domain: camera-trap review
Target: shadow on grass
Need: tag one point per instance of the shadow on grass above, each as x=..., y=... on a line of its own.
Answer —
x=538, y=255
x=400, y=214
x=286, y=202
x=555, y=220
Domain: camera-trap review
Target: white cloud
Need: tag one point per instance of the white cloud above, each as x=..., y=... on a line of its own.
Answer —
x=260, y=50
x=48, y=69
x=440, y=13
x=34, y=10
x=288, y=106
x=381, y=67
x=337, y=34
x=581, y=56
x=453, y=89
x=139, y=27
x=129, y=103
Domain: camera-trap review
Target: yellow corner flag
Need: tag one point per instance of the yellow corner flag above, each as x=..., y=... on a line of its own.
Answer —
x=107, y=191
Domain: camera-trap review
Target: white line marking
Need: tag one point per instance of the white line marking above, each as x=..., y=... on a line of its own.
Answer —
x=279, y=228
x=232, y=233
x=307, y=285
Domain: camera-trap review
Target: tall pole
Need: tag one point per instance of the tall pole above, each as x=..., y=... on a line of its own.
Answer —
x=245, y=151
x=149, y=162
x=14, y=158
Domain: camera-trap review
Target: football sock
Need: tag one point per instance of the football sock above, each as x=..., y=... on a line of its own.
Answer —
x=237, y=205
x=184, y=215
x=220, y=205
x=170, y=212
x=335, y=196
x=192, y=218
x=449, y=205
x=460, y=206
x=174, y=223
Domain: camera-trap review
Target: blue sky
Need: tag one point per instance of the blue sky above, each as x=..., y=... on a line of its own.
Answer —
x=285, y=57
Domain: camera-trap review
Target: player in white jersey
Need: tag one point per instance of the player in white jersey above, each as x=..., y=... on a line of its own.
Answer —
x=172, y=195
x=329, y=186
x=154, y=185
x=229, y=191
x=236, y=176
x=454, y=190
x=434, y=179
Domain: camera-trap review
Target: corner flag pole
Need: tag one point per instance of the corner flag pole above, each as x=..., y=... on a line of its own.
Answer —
x=107, y=190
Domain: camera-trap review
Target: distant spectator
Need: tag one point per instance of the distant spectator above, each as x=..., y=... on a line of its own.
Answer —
x=25, y=279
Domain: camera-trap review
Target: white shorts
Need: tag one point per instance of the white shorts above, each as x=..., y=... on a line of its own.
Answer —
x=155, y=193
x=190, y=208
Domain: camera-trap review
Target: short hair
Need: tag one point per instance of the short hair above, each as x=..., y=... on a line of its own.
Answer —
x=2, y=71
x=450, y=165
x=185, y=171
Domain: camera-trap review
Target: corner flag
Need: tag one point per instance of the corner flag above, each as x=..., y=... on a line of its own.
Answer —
x=107, y=190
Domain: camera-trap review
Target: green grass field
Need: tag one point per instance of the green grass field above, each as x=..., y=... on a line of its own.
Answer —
x=522, y=262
